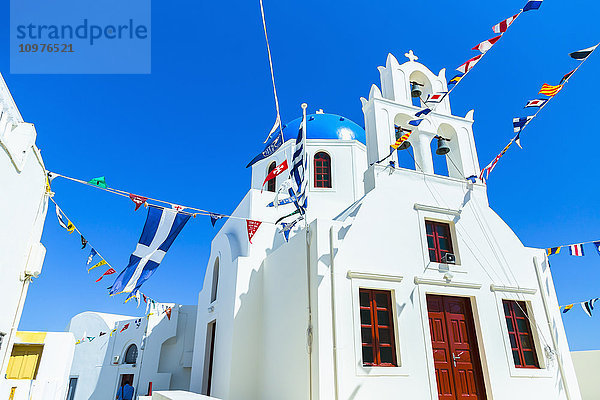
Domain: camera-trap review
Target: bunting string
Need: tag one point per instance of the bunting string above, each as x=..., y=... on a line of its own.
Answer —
x=550, y=91
x=575, y=249
x=178, y=208
x=586, y=306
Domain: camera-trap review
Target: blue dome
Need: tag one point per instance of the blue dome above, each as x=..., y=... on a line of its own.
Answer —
x=326, y=126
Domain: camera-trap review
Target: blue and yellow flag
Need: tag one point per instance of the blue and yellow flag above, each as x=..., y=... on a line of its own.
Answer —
x=568, y=308
x=553, y=250
x=455, y=80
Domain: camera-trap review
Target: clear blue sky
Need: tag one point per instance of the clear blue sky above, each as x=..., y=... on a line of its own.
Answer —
x=185, y=132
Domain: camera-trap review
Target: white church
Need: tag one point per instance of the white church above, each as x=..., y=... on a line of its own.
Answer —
x=401, y=282
x=404, y=283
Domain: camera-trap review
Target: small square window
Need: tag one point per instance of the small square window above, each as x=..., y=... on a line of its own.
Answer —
x=439, y=240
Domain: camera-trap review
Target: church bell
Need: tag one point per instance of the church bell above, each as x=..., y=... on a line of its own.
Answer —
x=442, y=148
x=415, y=89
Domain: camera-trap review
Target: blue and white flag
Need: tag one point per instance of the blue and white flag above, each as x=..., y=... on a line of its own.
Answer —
x=520, y=123
x=415, y=122
x=161, y=228
x=289, y=200
x=299, y=168
x=588, y=306
x=214, y=217
x=532, y=5
x=597, y=246
x=286, y=228
x=91, y=256
x=271, y=148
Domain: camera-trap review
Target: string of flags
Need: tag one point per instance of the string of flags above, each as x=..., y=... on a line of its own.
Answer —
x=548, y=90
x=575, y=249
x=586, y=306
x=434, y=99
x=152, y=308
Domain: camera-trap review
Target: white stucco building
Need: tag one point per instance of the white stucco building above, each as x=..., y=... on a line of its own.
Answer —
x=153, y=353
x=23, y=205
x=366, y=303
x=39, y=365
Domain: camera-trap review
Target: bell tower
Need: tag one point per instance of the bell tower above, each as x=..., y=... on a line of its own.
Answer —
x=404, y=92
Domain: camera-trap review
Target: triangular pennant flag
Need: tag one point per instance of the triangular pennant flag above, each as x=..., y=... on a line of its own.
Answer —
x=487, y=44
x=286, y=228
x=588, y=306
x=289, y=215
x=83, y=242
x=113, y=331
x=109, y=271
x=168, y=312
x=138, y=200
x=597, y=246
x=91, y=256
x=566, y=77
x=252, y=227
x=532, y=5
x=70, y=227
x=102, y=334
x=90, y=338
x=124, y=327
x=61, y=220
x=583, y=54
x=215, y=217
x=424, y=111
x=274, y=128
x=470, y=63
x=98, y=264
x=501, y=27
x=568, y=308
x=276, y=171
x=100, y=182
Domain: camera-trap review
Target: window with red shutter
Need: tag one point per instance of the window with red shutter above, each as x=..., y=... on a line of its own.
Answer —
x=271, y=182
x=377, y=328
x=519, y=333
x=322, y=170
x=439, y=241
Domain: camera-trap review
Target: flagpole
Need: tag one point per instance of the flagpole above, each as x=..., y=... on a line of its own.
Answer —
x=262, y=12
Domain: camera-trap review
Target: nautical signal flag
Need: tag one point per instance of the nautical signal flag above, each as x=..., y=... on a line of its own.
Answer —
x=276, y=171
x=597, y=246
x=566, y=77
x=536, y=103
x=269, y=150
x=99, y=264
x=100, y=182
x=455, y=79
x=583, y=54
x=415, y=122
x=68, y=225
x=532, y=5
x=466, y=67
x=215, y=217
x=568, y=308
x=138, y=200
x=550, y=90
x=168, y=312
x=124, y=327
x=109, y=271
x=91, y=256
x=501, y=27
x=401, y=139
x=252, y=227
x=576, y=249
x=520, y=123
x=436, y=97
x=553, y=250
x=487, y=44
x=84, y=242
x=424, y=111
x=588, y=306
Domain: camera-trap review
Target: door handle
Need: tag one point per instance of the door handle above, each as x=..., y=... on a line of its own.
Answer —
x=456, y=357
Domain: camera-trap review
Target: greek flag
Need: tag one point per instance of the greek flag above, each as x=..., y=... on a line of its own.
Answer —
x=161, y=228
x=299, y=168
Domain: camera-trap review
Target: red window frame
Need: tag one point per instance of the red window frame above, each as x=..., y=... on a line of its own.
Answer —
x=271, y=182
x=519, y=334
x=322, y=163
x=378, y=342
x=438, y=233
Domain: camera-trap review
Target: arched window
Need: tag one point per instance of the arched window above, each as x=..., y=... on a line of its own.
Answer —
x=131, y=354
x=271, y=182
x=322, y=170
x=215, y=281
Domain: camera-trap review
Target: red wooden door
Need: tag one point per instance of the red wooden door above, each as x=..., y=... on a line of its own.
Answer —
x=456, y=356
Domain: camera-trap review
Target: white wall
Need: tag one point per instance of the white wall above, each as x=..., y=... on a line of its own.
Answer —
x=164, y=354
x=52, y=379
x=22, y=212
x=587, y=365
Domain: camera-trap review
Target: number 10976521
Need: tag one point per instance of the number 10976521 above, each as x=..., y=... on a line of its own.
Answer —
x=46, y=48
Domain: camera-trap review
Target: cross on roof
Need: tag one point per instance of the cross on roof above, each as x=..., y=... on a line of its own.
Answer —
x=411, y=56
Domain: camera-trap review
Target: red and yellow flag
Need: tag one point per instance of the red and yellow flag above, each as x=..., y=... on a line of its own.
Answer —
x=550, y=90
x=401, y=139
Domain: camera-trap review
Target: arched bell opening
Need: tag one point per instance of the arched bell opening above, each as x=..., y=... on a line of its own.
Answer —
x=404, y=155
x=420, y=88
x=454, y=164
x=439, y=149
